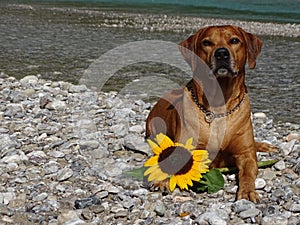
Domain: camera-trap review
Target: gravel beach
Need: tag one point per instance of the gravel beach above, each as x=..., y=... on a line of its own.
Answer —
x=64, y=150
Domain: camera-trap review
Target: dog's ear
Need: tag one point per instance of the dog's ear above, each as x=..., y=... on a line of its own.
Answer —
x=254, y=45
x=188, y=48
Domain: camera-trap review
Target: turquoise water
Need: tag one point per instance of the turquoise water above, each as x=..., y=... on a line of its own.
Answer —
x=287, y=11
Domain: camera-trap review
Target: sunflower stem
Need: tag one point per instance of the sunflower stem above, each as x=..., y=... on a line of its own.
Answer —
x=260, y=164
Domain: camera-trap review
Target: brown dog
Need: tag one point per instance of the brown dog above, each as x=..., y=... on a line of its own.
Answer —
x=214, y=106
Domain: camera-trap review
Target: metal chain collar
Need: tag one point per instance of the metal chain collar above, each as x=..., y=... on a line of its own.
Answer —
x=209, y=115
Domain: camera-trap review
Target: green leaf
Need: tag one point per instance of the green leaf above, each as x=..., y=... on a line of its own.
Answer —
x=137, y=173
x=211, y=182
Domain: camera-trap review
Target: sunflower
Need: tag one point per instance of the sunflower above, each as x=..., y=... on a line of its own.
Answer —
x=181, y=163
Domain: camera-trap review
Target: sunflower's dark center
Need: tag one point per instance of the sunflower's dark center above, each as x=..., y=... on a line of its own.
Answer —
x=175, y=160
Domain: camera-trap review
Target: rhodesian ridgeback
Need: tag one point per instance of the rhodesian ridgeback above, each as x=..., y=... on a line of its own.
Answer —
x=214, y=106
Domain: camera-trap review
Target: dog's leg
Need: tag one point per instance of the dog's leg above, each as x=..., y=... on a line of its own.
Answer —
x=247, y=166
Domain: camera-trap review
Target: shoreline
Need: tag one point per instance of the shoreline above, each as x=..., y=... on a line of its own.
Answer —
x=158, y=22
x=65, y=149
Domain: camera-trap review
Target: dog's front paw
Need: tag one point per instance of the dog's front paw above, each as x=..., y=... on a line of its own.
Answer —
x=265, y=147
x=248, y=195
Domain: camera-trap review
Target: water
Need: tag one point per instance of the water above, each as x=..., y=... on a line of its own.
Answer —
x=56, y=46
x=287, y=11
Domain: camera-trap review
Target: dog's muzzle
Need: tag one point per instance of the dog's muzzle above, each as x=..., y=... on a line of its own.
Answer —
x=223, y=63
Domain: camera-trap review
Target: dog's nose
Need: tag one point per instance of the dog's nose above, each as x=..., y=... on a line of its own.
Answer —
x=222, y=53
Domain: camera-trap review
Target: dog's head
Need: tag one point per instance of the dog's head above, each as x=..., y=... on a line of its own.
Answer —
x=224, y=49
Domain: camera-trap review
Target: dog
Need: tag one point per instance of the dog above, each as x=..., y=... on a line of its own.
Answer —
x=214, y=106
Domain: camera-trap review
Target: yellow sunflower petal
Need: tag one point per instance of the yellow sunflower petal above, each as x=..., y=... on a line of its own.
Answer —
x=155, y=174
x=151, y=161
x=200, y=153
x=189, y=144
x=188, y=179
x=155, y=148
x=150, y=170
x=162, y=176
x=172, y=183
x=164, y=141
x=181, y=182
x=195, y=174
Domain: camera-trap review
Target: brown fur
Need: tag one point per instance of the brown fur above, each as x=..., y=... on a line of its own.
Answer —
x=229, y=139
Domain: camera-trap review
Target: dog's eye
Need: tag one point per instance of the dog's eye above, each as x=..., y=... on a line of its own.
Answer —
x=234, y=41
x=207, y=43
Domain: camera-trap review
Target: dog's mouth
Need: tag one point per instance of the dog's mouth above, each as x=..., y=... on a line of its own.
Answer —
x=224, y=71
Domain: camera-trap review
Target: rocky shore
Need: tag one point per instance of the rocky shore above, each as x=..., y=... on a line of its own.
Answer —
x=64, y=150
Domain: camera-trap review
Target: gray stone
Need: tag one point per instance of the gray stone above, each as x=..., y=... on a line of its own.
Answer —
x=288, y=147
x=113, y=171
x=120, y=130
x=56, y=105
x=260, y=183
x=295, y=208
x=77, y=88
x=51, y=167
x=89, y=144
x=40, y=197
x=210, y=218
x=160, y=209
x=271, y=220
x=242, y=205
x=260, y=115
x=280, y=165
x=272, y=210
x=249, y=213
x=6, y=197
x=64, y=174
x=137, y=129
x=69, y=218
x=137, y=143
x=29, y=80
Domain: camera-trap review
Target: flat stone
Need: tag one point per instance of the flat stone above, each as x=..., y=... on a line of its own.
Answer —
x=295, y=208
x=260, y=183
x=288, y=147
x=272, y=210
x=29, y=80
x=56, y=105
x=160, y=209
x=6, y=197
x=280, y=165
x=242, y=205
x=64, y=174
x=40, y=197
x=260, y=115
x=77, y=88
x=249, y=213
x=70, y=218
x=274, y=220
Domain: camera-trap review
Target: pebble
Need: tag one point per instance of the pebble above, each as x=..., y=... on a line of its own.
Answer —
x=260, y=183
x=249, y=213
x=280, y=165
x=64, y=174
x=160, y=209
x=272, y=210
x=288, y=147
x=63, y=159
x=242, y=205
x=86, y=202
x=267, y=220
x=295, y=208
